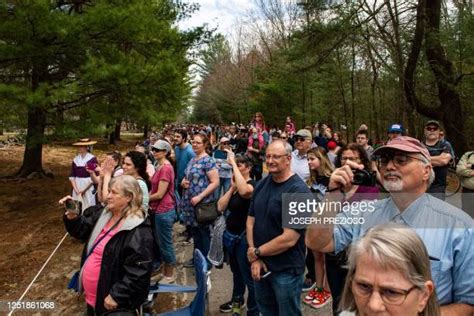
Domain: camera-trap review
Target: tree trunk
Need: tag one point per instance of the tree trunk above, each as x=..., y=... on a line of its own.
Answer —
x=145, y=131
x=343, y=95
x=33, y=155
x=32, y=158
x=446, y=78
x=303, y=101
x=450, y=109
x=112, y=138
x=118, y=127
x=353, y=128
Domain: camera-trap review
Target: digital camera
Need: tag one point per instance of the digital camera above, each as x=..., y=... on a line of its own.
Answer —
x=73, y=206
x=364, y=177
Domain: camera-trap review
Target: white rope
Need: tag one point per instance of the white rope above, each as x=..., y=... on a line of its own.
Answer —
x=37, y=275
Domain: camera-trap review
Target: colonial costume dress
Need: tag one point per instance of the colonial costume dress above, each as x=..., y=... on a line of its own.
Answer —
x=81, y=177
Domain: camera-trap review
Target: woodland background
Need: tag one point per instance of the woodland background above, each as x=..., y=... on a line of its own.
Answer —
x=84, y=67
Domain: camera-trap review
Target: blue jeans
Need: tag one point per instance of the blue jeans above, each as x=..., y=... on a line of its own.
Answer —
x=224, y=185
x=257, y=171
x=164, y=233
x=242, y=275
x=202, y=240
x=279, y=294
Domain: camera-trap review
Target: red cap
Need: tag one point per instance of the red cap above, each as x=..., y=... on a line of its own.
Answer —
x=407, y=144
x=332, y=144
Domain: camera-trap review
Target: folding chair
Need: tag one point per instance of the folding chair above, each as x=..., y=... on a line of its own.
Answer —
x=198, y=305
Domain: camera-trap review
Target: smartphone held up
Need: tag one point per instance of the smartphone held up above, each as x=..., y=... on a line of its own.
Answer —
x=73, y=206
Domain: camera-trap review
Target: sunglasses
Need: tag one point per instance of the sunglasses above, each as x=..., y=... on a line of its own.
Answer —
x=431, y=129
x=157, y=150
x=299, y=139
x=398, y=159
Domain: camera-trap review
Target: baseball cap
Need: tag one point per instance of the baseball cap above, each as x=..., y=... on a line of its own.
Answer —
x=331, y=144
x=432, y=122
x=162, y=145
x=224, y=139
x=304, y=133
x=395, y=128
x=406, y=144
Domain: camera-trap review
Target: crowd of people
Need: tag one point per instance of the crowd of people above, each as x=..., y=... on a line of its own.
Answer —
x=414, y=255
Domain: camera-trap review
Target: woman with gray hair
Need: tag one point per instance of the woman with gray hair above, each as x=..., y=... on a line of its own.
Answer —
x=389, y=273
x=117, y=258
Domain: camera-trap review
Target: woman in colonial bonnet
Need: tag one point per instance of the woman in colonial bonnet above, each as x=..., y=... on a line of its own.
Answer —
x=82, y=185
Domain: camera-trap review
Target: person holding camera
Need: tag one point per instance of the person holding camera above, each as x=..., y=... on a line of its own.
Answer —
x=356, y=153
x=237, y=202
x=365, y=189
x=447, y=232
x=117, y=258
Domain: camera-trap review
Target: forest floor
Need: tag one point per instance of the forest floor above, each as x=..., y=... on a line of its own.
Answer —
x=31, y=226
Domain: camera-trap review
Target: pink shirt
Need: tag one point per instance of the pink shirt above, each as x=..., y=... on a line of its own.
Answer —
x=91, y=271
x=167, y=203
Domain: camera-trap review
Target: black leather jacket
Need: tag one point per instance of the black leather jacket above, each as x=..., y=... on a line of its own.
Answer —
x=127, y=259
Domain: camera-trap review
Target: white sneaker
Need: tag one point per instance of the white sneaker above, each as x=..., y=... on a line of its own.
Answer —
x=156, y=278
x=208, y=281
x=168, y=280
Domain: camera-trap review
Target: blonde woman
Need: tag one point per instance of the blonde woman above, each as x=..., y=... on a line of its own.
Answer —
x=117, y=258
x=389, y=273
x=320, y=171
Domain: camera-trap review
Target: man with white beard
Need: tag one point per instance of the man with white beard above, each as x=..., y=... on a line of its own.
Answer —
x=448, y=233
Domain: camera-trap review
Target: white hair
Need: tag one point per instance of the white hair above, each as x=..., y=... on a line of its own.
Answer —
x=426, y=162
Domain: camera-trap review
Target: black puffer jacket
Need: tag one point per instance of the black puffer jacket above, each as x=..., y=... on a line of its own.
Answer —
x=127, y=258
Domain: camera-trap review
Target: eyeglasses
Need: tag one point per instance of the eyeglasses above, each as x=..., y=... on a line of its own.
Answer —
x=399, y=160
x=431, y=129
x=274, y=157
x=389, y=296
x=350, y=158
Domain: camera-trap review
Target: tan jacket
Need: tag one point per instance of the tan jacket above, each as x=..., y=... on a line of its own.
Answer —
x=464, y=170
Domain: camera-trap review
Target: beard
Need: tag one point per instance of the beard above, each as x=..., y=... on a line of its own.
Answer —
x=393, y=185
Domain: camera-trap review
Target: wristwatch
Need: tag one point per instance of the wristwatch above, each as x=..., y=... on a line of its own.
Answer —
x=257, y=252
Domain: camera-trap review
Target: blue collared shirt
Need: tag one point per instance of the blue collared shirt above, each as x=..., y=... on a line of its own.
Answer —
x=299, y=165
x=447, y=232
